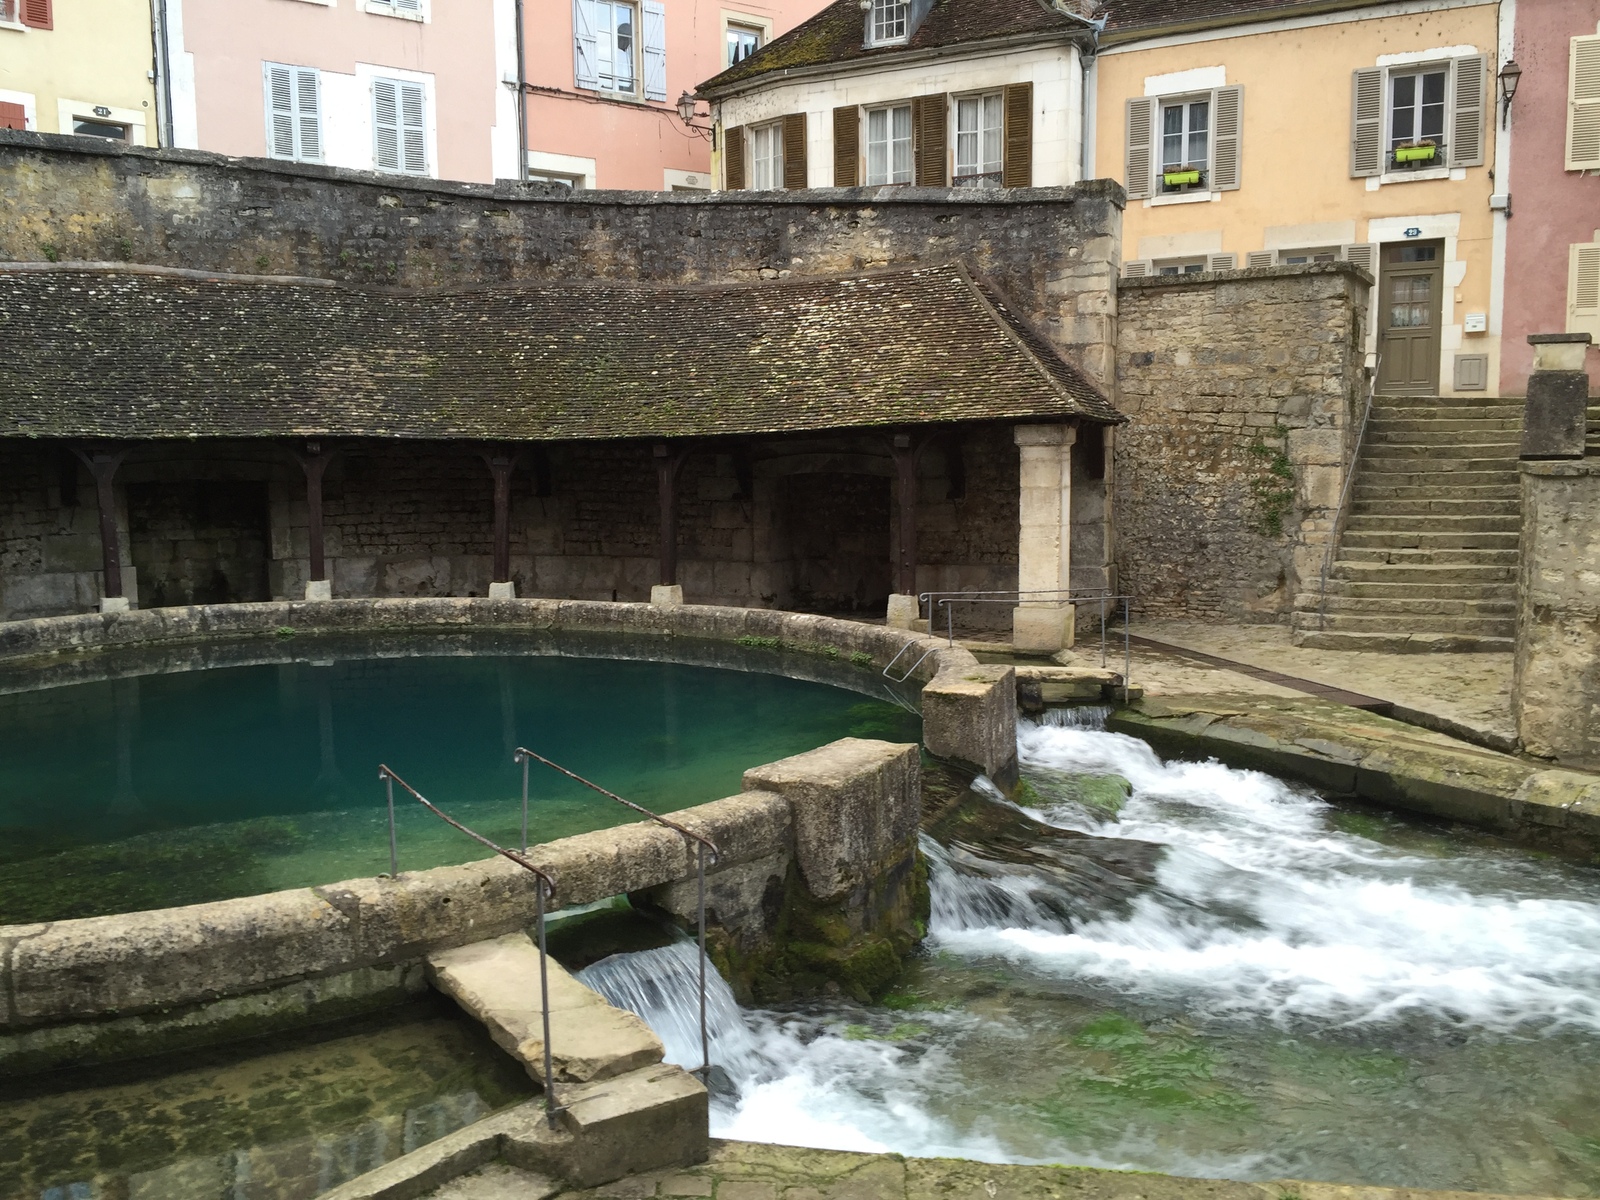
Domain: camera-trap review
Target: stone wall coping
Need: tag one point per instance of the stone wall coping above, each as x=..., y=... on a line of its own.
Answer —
x=514, y=191
x=1547, y=339
x=1283, y=271
x=1560, y=466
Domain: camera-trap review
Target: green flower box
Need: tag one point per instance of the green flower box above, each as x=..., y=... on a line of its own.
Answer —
x=1406, y=154
x=1179, y=178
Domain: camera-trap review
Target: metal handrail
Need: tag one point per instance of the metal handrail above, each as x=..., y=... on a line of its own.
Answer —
x=523, y=756
x=1102, y=596
x=912, y=669
x=543, y=890
x=1337, y=531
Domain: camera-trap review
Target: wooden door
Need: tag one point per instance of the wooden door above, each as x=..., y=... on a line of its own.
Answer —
x=1410, y=288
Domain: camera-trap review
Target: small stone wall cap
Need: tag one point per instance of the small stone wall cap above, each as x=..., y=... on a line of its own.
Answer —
x=1544, y=339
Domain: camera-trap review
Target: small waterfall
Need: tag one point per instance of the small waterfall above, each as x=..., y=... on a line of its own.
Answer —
x=1079, y=716
x=662, y=986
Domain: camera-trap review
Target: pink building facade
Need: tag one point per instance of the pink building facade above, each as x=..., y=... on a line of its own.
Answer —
x=604, y=77
x=414, y=87
x=1552, y=276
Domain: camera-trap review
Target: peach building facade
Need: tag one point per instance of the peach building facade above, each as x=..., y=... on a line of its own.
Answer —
x=414, y=87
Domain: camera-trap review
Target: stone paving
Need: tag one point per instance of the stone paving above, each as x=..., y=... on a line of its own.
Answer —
x=751, y=1171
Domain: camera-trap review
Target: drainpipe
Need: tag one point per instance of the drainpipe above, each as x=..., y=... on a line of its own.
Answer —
x=522, y=100
x=163, y=73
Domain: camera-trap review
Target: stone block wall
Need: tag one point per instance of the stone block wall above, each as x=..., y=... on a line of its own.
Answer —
x=1052, y=251
x=1243, y=389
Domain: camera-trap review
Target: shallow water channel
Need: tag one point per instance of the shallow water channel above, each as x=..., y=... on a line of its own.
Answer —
x=1219, y=974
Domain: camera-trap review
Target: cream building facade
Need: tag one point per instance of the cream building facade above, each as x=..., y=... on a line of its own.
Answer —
x=1366, y=134
x=82, y=67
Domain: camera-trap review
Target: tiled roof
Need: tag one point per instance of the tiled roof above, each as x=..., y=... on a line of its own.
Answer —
x=835, y=34
x=1132, y=15
x=115, y=353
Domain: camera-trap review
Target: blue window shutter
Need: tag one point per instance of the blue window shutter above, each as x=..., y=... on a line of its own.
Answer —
x=655, y=50
x=585, y=56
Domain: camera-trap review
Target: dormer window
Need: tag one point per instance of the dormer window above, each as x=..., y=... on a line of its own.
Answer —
x=888, y=22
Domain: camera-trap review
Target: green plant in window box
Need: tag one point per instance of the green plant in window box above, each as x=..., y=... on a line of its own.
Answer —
x=1180, y=176
x=1415, y=152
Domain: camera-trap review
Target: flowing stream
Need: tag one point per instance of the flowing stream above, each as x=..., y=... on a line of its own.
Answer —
x=1203, y=971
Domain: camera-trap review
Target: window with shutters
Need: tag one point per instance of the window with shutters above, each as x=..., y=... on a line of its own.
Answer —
x=888, y=22
x=294, y=112
x=1417, y=118
x=607, y=45
x=889, y=144
x=1182, y=148
x=411, y=10
x=399, y=126
x=8, y=12
x=1186, y=145
x=36, y=14
x=1583, y=104
x=1418, y=121
x=1178, y=266
x=1583, y=289
x=1318, y=254
x=766, y=156
x=980, y=140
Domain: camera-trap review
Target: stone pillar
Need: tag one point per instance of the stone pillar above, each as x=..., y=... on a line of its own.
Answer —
x=502, y=464
x=1558, y=397
x=314, y=462
x=904, y=610
x=103, y=464
x=1043, y=623
x=669, y=464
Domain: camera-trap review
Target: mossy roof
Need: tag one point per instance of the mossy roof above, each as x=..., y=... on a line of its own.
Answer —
x=142, y=354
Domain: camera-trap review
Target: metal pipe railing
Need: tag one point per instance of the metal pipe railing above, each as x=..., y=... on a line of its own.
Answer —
x=544, y=889
x=522, y=756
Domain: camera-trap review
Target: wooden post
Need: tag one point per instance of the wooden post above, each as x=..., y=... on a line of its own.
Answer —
x=669, y=462
x=314, y=462
x=906, y=452
x=502, y=464
x=103, y=464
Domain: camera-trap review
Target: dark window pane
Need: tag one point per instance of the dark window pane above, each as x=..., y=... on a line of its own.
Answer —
x=101, y=129
x=1433, y=87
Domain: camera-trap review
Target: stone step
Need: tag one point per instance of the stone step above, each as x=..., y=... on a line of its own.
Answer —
x=1355, y=539
x=1426, y=589
x=1498, y=470
x=1474, y=435
x=1423, y=574
x=1489, y=406
x=1425, y=556
x=497, y=981
x=1400, y=643
x=1366, y=492
x=1421, y=605
x=1387, y=474
x=1503, y=454
x=1432, y=505
x=1470, y=626
x=1410, y=423
x=1379, y=522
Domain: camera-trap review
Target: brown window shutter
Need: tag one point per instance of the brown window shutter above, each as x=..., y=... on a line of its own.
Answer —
x=1366, y=122
x=846, y=146
x=930, y=121
x=37, y=14
x=12, y=116
x=1017, y=166
x=794, y=151
x=1467, y=87
x=733, y=158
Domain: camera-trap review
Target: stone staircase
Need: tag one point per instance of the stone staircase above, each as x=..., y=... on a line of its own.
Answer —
x=1428, y=557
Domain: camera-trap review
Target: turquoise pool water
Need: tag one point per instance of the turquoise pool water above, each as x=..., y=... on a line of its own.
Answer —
x=181, y=787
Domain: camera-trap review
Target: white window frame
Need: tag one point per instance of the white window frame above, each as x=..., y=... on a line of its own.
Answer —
x=406, y=10
x=1417, y=71
x=1186, y=103
x=297, y=114
x=889, y=23
x=977, y=141
x=1307, y=255
x=764, y=157
x=607, y=51
x=1188, y=264
x=888, y=174
x=11, y=16
x=743, y=29
x=29, y=103
x=424, y=126
x=568, y=166
x=70, y=111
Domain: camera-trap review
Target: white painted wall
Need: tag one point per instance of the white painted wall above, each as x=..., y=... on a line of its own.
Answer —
x=1055, y=72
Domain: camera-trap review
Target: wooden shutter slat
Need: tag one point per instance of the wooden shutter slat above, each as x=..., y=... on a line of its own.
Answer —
x=733, y=158
x=1222, y=262
x=846, y=146
x=280, y=112
x=1136, y=268
x=655, y=50
x=930, y=118
x=385, y=126
x=1362, y=254
x=794, y=151
x=308, y=113
x=1228, y=120
x=413, y=119
x=1260, y=258
x=585, y=46
x=1366, y=122
x=1137, y=162
x=1583, y=104
x=1017, y=164
x=39, y=14
x=1466, y=111
x=1583, y=289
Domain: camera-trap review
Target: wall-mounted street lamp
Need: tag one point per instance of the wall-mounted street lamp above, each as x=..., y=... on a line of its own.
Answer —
x=1510, y=76
x=687, y=114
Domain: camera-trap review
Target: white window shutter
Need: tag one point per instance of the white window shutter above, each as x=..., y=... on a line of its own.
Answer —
x=585, y=51
x=1227, y=105
x=308, y=112
x=280, y=110
x=655, y=50
x=1222, y=262
x=1260, y=258
x=1136, y=268
x=1363, y=254
x=1583, y=104
x=1138, y=159
x=407, y=5
x=1583, y=290
x=1366, y=122
x=385, y=125
x=1467, y=79
x=413, y=129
